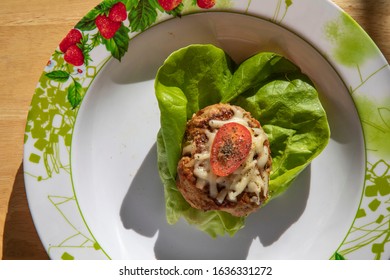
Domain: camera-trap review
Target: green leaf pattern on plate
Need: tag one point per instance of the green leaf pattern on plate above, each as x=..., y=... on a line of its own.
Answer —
x=281, y=10
x=78, y=239
x=371, y=228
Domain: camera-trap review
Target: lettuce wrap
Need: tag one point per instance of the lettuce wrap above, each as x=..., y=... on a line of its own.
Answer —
x=269, y=86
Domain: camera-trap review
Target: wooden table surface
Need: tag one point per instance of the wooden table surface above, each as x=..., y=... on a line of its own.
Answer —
x=30, y=30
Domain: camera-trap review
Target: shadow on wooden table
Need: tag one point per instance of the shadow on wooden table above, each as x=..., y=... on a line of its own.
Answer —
x=373, y=10
x=21, y=241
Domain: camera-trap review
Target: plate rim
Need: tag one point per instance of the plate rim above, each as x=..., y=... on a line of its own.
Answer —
x=30, y=160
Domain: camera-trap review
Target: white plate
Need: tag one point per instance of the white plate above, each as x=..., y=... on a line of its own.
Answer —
x=91, y=172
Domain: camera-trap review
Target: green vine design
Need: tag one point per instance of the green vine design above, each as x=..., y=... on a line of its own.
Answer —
x=276, y=18
x=375, y=233
x=363, y=79
x=372, y=223
x=78, y=240
x=375, y=119
x=279, y=16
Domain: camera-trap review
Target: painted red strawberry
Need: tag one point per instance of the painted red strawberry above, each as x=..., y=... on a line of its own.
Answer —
x=72, y=38
x=107, y=27
x=74, y=55
x=205, y=4
x=118, y=12
x=169, y=5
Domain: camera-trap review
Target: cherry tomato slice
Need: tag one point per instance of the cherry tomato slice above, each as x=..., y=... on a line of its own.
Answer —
x=230, y=147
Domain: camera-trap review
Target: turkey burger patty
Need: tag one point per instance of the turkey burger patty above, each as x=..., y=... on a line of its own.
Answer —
x=226, y=161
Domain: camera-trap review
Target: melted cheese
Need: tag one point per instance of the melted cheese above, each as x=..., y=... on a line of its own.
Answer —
x=250, y=177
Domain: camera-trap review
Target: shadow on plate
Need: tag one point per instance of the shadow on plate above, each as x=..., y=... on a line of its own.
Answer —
x=143, y=210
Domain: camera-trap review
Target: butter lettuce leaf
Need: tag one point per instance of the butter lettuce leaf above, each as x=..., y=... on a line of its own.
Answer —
x=295, y=122
x=267, y=85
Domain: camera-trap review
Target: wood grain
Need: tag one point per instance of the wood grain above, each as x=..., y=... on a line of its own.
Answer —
x=29, y=33
x=30, y=30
